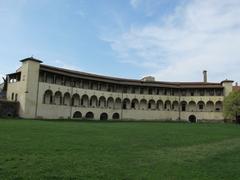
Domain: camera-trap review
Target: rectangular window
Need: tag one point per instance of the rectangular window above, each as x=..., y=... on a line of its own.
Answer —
x=133, y=91
x=150, y=91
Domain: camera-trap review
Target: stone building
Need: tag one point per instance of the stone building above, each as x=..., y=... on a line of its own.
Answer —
x=55, y=93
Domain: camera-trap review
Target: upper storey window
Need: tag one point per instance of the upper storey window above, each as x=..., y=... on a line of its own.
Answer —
x=201, y=92
x=192, y=93
x=141, y=90
x=184, y=93
x=133, y=90
x=150, y=91
x=219, y=92
x=15, y=77
x=124, y=89
x=211, y=92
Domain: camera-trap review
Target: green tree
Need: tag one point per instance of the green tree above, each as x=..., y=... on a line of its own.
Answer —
x=232, y=105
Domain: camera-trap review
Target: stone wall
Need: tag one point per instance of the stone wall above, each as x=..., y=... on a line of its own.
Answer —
x=8, y=109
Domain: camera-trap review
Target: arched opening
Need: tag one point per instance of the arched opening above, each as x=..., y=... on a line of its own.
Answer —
x=192, y=119
x=93, y=101
x=110, y=103
x=102, y=102
x=151, y=104
x=143, y=104
x=167, y=105
x=160, y=105
x=58, y=98
x=126, y=103
x=48, y=97
x=135, y=104
x=85, y=101
x=66, y=99
x=192, y=106
x=219, y=106
x=77, y=115
x=175, y=106
x=116, y=116
x=89, y=115
x=201, y=106
x=103, y=117
x=75, y=100
x=118, y=103
x=210, y=106
x=183, y=106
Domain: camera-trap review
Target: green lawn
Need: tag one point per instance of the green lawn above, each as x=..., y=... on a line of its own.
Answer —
x=122, y=150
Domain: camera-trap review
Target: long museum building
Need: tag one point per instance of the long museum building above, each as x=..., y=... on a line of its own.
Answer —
x=55, y=93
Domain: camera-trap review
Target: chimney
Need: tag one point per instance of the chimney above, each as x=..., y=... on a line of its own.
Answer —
x=236, y=83
x=205, y=76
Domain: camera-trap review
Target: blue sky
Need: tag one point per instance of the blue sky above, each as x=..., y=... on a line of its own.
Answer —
x=171, y=40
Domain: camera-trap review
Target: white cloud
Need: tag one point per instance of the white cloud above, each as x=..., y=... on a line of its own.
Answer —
x=198, y=35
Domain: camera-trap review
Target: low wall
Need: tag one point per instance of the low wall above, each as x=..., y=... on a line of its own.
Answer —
x=8, y=108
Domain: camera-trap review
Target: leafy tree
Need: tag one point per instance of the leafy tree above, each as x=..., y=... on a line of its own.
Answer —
x=5, y=84
x=232, y=105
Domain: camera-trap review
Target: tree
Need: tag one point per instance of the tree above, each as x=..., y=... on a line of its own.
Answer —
x=232, y=105
x=5, y=84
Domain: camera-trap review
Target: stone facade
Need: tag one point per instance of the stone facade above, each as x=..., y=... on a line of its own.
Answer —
x=54, y=93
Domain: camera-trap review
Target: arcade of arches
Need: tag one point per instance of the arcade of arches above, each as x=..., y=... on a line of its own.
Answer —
x=65, y=99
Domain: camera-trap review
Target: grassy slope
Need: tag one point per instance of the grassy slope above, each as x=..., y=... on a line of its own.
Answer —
x=128, y=150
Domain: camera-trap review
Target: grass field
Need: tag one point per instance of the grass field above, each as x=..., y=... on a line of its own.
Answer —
x=128, y=150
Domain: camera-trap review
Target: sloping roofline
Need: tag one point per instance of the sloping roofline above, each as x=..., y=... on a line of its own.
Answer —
x=124, y=81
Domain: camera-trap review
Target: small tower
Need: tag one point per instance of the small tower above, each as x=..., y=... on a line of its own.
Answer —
x=29, y=86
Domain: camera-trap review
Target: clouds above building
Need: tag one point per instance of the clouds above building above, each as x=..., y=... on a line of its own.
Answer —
x=172, y=40
x=196, y=35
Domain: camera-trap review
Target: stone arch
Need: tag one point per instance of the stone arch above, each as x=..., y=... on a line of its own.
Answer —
x=218, y=106
x=104, y=116
x=183, y=105
x=110, y=103
x=48, y=97
x=93, y=101
x=89, y=115
x=67, y=99
x=118, y=103
x=116, y=116
x=76, y=100
x=201, y=106
x=175, y=106
x=192, y=106
x=102, y=102
x=77, y=115
x=192, y=119
x=167, y=105
x=160, y=105
x=126, y=103
x=151, y=104
x=143, y=104
x=135, y=104
x=58, y=98
x=210, y=106
x=85, y=101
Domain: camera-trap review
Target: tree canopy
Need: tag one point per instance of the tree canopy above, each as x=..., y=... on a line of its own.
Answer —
x=232, y=105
